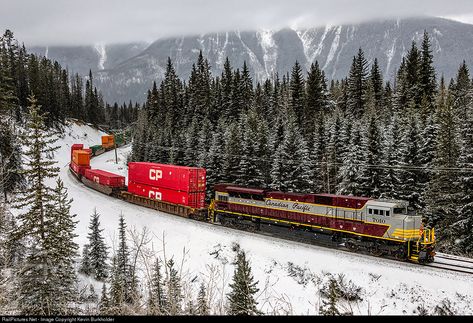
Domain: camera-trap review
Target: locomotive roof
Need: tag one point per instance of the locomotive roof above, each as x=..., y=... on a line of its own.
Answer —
x=343, y=196
x=248, y=190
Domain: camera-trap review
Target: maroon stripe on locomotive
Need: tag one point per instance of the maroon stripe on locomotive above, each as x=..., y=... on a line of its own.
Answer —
x=336, y=223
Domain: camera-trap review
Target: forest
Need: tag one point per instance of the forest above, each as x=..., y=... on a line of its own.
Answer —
x=409, y=139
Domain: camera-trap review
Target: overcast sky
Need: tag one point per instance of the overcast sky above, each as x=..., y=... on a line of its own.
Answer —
x=54, y=22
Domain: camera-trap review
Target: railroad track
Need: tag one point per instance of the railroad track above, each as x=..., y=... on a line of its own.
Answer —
x=452, y=263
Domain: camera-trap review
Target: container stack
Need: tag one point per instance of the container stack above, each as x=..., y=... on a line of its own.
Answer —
x=80, y=159
x=170, y=183
x=105, y=178
x=108, y=141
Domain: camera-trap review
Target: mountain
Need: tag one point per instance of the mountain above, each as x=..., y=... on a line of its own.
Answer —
x=130, y=74
x=81, y=59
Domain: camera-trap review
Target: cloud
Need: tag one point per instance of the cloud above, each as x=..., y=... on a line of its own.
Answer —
x=54, y=22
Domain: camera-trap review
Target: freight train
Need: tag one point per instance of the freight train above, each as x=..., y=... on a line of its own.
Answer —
x=376, y=226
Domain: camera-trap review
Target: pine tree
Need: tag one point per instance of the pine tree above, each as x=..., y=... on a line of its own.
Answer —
x=46, y=278
x=297, y=92
x=376, y=82
x=63, y=250
x=295, y=171
x=427, y=74
x=442, y=194
x=370, y=180
x=202, y=303
x=463, y=225
x=316, y=92
x=104, y=302
x=241, y=297
x=11, y=167
x=174, y=292
x=157, y=302
x=351, y=169
x=329, y=306
x=357, y=85
x=95, y=260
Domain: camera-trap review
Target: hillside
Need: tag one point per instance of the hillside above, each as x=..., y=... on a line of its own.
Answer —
x=289, y=273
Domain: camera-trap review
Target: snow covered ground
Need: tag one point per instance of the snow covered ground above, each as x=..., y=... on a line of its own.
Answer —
x=289, y=273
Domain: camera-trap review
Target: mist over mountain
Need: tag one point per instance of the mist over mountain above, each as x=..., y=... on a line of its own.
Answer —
x=125, y=72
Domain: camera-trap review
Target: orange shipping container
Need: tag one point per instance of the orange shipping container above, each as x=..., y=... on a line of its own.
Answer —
x=109, y=139
x=81, y=157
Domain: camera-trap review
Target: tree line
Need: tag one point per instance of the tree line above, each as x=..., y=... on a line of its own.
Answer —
x=361, y=135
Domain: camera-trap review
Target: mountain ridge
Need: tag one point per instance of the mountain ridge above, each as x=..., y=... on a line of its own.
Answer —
x=131, y=73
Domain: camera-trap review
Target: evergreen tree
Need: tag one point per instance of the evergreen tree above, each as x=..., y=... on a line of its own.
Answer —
x=297, y=92
x=371, y=173
x=316, y=92
x=202, y=303
x=427, y=74
x=443, y=191
x=63, y=250
x=376, y=82
x=157, y=302
x=174, y=292
x=104, y=302
x=241, y=299
x=357, y=85
x=329, y=306
x=95, y=259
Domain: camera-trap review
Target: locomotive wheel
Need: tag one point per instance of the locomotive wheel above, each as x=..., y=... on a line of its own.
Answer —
x=375, y=251
x=351, y=245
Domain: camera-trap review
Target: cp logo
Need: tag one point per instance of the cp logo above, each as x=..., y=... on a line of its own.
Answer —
x=155, y=174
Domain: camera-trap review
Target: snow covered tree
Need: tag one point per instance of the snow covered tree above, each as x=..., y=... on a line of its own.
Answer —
x=11, y=167
x=173, y=289
x=63, y=250
x=95, y=257
x=316, y=98
x=352, y=166
x=37, y=286
x=463, y=224
x=202, y=303
x=294, y=162
x=443, y=191
x=357, y=85
x=104, y=302
x=157, y=301
x=370, y=179
x=329, y=306
x=241, y=299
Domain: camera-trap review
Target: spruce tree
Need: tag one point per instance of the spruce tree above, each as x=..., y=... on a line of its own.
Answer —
x=96, y=256
x=104, y=302
x=241, y=299
x=357, y=85
x=157, y=301
x=63, y=250
x=202, y=303
x=174, y=289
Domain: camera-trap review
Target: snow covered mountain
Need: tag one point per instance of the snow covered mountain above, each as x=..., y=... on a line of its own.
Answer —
x=128, y=72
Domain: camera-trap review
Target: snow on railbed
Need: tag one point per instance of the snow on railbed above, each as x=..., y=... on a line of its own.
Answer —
x=285, y=269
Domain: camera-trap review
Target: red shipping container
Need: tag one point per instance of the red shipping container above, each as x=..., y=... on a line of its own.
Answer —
x=78, y=169
x=105, y=178
x=195, y=200
x=179, y=178
x=76, y=147
x=88, y=150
